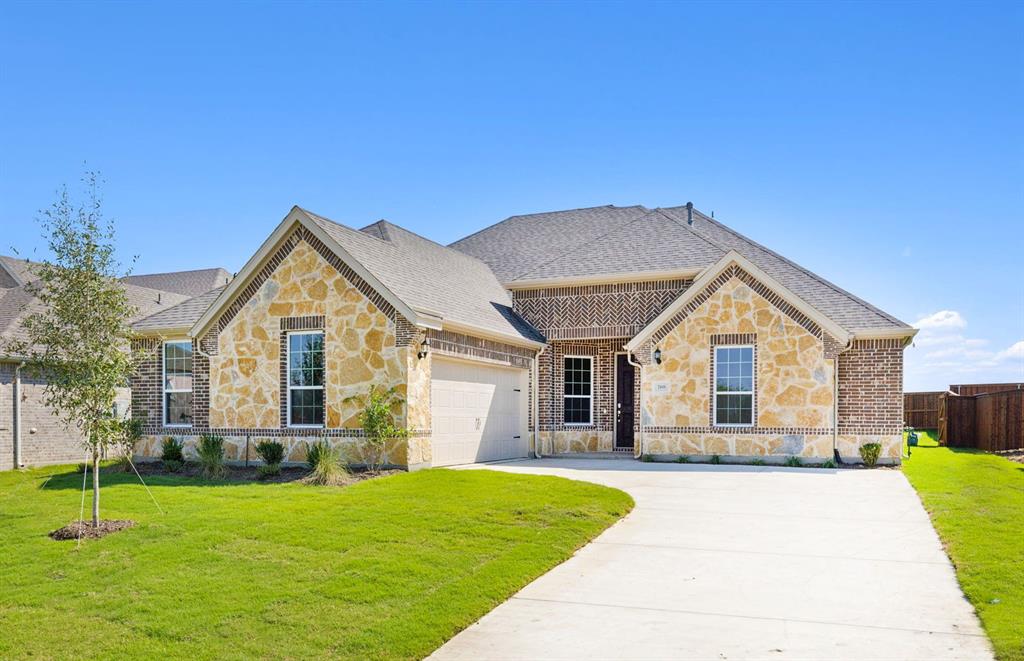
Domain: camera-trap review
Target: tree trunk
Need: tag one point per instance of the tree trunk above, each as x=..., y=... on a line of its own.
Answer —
x=96, y=487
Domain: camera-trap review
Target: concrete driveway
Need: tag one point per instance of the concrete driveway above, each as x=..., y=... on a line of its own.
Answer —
x=740, y=562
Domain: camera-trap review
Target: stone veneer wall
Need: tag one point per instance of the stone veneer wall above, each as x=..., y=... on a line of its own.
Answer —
x=793, y=399
x=239, y=392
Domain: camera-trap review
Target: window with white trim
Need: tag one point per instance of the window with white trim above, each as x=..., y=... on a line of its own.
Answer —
x=178, y=384
x=579, y=390
x=306, y=379
x=734, y=386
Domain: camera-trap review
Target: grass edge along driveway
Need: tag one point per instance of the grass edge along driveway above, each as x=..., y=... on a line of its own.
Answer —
x=976, y=503
x=387, y=568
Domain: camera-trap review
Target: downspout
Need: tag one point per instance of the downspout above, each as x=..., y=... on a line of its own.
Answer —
x=536, y=403
x=18, y=463
x=640, y=369
x=835, y=402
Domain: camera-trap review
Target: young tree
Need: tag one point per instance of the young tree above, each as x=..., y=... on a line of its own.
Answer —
x=379, y=428
x=79, y=338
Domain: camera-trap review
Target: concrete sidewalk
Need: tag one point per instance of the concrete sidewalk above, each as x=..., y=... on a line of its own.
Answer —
x=740, y=562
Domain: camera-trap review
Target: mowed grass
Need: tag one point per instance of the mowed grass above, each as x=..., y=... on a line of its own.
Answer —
x=386, y=568
x=976, y=501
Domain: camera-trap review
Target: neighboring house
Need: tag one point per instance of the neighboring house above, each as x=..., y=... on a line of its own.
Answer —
x=609, y=329
x=30, y=433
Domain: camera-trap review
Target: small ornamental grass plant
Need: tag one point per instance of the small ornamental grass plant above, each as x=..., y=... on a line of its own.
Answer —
x=172, y=454
x=211, y=456
x=325, y=464
x=794, y=462
x=272, y=454
x=869, y=452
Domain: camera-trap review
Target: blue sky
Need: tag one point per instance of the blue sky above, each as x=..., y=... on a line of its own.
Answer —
x=880, y=145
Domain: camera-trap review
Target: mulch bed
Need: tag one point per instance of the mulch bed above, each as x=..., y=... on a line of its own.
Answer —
x=85, y=529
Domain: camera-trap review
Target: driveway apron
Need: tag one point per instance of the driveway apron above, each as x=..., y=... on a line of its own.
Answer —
x=739, y=562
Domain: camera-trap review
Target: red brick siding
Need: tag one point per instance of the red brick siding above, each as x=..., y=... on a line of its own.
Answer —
x=871, y=387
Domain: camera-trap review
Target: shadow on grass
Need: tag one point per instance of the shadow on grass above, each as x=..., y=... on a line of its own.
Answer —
x=72, y=479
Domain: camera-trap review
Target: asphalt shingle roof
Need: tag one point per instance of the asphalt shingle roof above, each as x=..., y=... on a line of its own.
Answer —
x=430, y=277
x=17, y=271
x=19, y=302
x=613, y=240
x=182, y=315
x=188, y=283
x=519, y=244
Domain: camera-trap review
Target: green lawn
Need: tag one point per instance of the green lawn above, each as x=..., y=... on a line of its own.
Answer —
x=387, y=568
x=976, y=501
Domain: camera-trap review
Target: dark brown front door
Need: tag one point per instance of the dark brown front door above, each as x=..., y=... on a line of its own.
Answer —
x=624, y=376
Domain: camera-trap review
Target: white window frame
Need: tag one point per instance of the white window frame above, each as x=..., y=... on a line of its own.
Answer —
x=163, y=383
x=290, y=387
x=751, y=392
x=589, y=359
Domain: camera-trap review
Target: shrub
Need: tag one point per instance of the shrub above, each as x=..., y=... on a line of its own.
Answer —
x=869, y=452
x=128, y=434
x=172, y=450
x=378, y=421
x=829, y=463
x=173, y=465
x=794, y=462
x=325, y=463
x=271, y=452
x=757, y=462
x=646, y=458
x=715, y=459
x=682, y=459
x=268, y=470
x=211, y=456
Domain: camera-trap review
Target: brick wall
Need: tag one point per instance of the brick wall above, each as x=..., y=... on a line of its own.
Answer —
x=44, y=438
x=552, y=384
x=871, y=387
x=596, y=311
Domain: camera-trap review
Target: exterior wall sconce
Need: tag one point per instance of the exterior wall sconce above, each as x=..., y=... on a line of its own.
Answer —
x=657, y=356
x=424, y=348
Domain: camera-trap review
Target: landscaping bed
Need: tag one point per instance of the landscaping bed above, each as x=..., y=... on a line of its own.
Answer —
x=233, y=568
x=252, y=473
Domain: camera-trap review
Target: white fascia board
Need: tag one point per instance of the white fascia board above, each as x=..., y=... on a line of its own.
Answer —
x=171, y=331
x=712, y=272
x=905, y=333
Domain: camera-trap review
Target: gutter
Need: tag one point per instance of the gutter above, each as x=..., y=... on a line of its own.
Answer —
x=536, y=403
x=18, y=463
x=639, y=451
x=835, y=403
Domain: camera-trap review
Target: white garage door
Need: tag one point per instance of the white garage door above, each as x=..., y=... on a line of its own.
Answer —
x=478, y=411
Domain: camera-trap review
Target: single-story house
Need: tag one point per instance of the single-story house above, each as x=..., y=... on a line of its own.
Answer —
x=30, y=433
x=656, y=332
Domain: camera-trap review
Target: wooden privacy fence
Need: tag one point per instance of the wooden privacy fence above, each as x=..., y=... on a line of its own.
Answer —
x=991, y=421
x=921, y=409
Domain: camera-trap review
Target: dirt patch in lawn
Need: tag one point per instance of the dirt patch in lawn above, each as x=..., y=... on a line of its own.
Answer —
x=85, y=529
